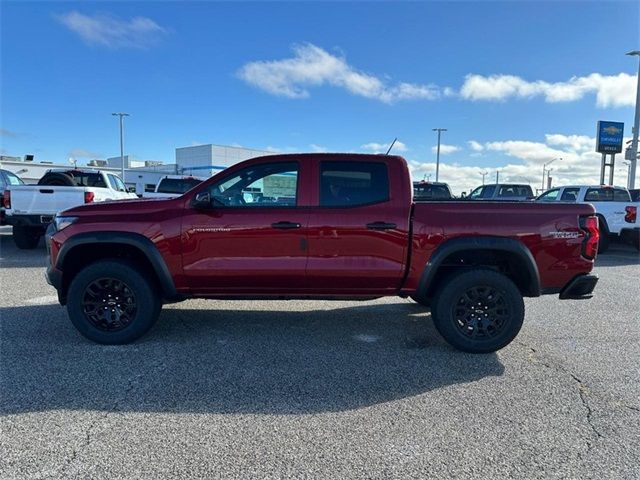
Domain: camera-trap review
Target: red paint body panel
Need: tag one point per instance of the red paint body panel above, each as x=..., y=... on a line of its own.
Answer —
x=235, y=250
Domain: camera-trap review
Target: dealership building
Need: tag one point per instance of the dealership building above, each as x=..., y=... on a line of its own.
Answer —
x=197, y=160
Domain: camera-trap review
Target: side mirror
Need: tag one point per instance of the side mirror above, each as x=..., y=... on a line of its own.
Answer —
x=202, y=200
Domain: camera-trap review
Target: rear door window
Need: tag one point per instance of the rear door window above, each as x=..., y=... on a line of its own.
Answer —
x=570, y=194
x=599, y=195
x=620, y=195
x=349, y=184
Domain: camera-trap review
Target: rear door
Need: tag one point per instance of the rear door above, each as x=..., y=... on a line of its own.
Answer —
x=252, y=237
x=358, y=230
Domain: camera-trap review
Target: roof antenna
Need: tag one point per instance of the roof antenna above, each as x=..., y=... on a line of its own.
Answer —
x=391, y=146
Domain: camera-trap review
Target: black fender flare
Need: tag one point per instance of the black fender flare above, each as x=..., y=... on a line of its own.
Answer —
x=497, y=244
x=140, y=242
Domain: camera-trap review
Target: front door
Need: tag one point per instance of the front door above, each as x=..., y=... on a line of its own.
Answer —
x=251, y=239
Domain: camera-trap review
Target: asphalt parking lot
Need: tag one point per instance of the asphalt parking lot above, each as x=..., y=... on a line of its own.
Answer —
x=312, y=389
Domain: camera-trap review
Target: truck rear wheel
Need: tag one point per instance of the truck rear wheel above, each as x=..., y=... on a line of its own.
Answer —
x=605, y=236
x=478, y=311
x=110, y=302
x=26, y=238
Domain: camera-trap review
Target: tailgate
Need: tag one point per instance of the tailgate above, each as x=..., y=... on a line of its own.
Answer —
x=44, y=200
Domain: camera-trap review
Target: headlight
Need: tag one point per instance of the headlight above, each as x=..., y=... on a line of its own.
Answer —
x=63, y=222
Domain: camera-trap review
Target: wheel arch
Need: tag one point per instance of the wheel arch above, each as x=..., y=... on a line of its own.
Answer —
x=510, y=257
x=84, y=248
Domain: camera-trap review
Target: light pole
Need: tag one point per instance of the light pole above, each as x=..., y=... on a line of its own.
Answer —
x=544, y=169
x=483, y=175
x=121, y=115
x=628, y=164
x=497, y=176
x=636, y=125
x=439, y=130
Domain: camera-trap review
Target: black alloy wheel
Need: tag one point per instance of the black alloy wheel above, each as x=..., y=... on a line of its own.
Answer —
x=109, y=304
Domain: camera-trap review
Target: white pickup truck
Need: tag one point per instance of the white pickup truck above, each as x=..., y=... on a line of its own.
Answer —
x=617, y=213
x=30, y=208
x=171, y=186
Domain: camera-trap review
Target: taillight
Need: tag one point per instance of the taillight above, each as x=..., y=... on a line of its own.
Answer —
x=6, y=199
x=88, y=197
x=631, y=215
x=590, y=243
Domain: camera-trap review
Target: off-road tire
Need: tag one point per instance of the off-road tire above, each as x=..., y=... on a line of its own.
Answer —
x=144, y=291
x=26, y=238
x=455, y=310
x=605, y=236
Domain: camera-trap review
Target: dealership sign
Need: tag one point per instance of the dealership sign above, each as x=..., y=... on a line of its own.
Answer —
x=609, y=138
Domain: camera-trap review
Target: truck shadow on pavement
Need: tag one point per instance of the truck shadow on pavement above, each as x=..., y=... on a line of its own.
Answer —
x=232, y=361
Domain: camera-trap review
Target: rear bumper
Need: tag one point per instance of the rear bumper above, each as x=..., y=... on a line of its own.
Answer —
x=40, y=221
x=581, y=286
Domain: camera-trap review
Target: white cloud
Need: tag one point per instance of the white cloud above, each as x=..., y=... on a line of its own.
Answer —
x=610, y=90
x=317, y=148
x=475, y=146
x=112, y=32
x=311, y=66
x=375, y=147
x=576, y=142
x=445, y=149
x=580, y=163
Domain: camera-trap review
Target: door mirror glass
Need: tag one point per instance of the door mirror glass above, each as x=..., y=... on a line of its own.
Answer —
x=202, y=200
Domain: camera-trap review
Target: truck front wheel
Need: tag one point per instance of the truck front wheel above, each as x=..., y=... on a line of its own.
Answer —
x=111, y=302
x=26, y=238
x=478, y=311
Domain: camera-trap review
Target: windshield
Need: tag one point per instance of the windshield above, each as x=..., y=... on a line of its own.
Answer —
x=177, y=185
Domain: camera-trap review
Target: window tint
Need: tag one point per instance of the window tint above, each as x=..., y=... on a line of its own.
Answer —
x=427, y=191
x=570, y=194
x=620, y=195
x=519, y=191
x=549, y=196
x=265, y=185
x=177, y=185
x=344, y=184
x=607, y=195
x=87, y=179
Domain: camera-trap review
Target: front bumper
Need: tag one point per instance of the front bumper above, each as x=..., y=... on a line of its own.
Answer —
x=581, y=286
x=52, y=275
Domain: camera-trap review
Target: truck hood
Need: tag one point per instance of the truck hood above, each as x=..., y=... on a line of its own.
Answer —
x=122, y=207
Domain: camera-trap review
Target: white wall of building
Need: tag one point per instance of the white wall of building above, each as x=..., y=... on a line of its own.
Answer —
x=205, y=160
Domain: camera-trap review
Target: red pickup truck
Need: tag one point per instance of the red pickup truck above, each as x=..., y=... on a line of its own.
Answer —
x=319, y=226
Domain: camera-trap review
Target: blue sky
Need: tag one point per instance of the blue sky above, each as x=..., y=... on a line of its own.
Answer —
x=525, y=81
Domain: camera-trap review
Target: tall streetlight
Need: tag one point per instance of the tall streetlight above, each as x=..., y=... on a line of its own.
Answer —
x=628, y=164
x=636, y=125
x=439, y=130
x=483, y=175
x=544, y=169
x=121, y=115
x=497, y=177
